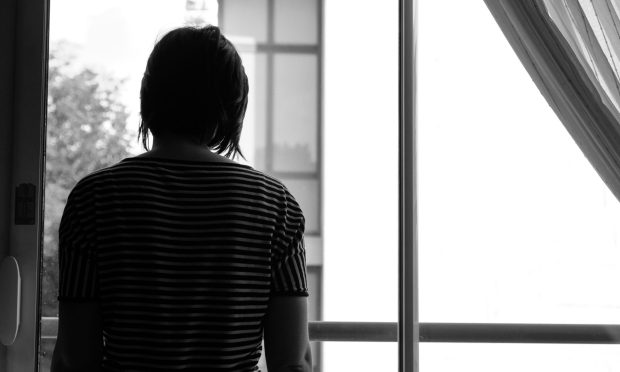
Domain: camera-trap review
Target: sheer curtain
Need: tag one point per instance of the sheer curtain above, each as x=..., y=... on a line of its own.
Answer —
x=571, y=49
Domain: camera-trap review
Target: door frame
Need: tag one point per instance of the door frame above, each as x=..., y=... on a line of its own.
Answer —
x=26, y=164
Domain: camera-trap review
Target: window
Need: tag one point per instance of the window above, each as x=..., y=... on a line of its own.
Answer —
x=306, y=90
x=572, y=284
x=515, y=226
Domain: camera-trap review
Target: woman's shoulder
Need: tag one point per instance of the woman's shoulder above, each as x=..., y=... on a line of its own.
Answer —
x=151, y=163
x=195, y=156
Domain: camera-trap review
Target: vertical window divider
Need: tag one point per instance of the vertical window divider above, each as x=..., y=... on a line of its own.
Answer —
x=408, y=325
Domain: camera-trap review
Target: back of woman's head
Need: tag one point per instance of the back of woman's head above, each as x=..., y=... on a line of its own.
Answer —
x=195, y=86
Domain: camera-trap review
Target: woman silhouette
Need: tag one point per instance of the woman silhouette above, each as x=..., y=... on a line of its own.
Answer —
x=181, y=259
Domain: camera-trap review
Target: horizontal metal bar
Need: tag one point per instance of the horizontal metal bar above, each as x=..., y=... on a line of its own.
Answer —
x=319, y=331
x=520, y=333
x=353, y=331
x=471, y=332
x=288, y=48
x=276, y=48
x=445, y=332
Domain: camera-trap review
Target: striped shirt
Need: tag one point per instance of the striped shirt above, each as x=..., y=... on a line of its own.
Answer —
x=183, y=257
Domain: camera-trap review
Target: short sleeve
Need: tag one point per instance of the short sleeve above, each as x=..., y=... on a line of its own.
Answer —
x=288, y=252
x=77, y=262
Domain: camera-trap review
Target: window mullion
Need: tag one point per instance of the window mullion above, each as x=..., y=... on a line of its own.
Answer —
x=408, y=328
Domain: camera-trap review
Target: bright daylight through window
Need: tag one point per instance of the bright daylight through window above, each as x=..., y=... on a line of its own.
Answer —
x=515, y=226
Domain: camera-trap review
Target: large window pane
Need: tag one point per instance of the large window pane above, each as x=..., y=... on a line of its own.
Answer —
x=296, y=21
x=514, y=223
x=361, y=356
x=295, y=112
x=444, y=357
x=361, y=163
x=360, y=152
x=254, y=26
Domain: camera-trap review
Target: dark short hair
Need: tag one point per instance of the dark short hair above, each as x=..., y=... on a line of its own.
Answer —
x=195, y=85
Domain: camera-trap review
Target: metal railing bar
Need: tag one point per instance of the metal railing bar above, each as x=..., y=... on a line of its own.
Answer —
x=318, y=331
x=445, y=332
x=520, y=333
x=353, y=331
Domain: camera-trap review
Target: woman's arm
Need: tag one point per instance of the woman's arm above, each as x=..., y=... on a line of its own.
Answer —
x=79, y=344
x=287, y=346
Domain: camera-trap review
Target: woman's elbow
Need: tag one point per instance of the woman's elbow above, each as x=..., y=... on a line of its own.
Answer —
x=294, y=368
x=304, y=365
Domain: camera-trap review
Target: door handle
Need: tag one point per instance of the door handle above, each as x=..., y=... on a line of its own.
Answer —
x=10, y=298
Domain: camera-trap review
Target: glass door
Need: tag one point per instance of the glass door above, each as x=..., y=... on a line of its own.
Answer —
x=323, y=117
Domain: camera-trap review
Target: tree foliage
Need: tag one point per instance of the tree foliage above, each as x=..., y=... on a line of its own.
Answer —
x=86, y=131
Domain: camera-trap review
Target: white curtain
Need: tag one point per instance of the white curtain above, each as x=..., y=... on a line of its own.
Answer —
x=591, y=28
x=571, y=49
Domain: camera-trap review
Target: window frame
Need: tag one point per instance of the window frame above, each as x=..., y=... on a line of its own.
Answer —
x=408, y=321
x=28, y=51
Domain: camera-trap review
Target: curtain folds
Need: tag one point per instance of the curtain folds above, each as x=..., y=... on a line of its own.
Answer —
x=571, y=49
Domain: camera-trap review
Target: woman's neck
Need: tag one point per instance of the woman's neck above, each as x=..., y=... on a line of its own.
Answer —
x=175, y=147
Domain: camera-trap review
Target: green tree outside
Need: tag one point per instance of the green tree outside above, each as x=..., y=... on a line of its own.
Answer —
x=86, y=131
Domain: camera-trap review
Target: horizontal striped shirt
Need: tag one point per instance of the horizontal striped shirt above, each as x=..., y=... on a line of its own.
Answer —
x=183, y=257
